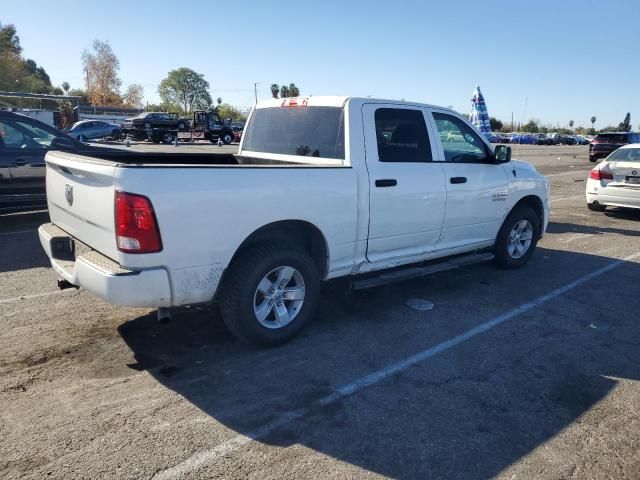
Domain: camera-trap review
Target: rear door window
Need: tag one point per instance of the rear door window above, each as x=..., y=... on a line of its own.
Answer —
x=402, y=135
x=302, y=130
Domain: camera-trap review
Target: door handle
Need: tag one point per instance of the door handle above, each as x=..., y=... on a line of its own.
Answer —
x=19, y=162
x=458, y=179
x=386, y=182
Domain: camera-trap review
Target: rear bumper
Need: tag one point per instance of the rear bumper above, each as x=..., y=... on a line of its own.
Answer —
x=612, y=196
x=102, y=276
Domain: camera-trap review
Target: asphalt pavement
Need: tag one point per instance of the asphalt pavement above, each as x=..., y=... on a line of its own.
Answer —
x=529, y=373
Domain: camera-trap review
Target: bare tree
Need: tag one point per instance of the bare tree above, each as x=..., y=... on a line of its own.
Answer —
x=133, y=96
x=101, y=68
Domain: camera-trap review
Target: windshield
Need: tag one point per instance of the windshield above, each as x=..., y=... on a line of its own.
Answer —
x=625, y=155
x=302, y=131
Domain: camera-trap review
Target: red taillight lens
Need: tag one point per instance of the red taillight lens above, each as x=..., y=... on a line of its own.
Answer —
x=136, y=226
x=597, y=174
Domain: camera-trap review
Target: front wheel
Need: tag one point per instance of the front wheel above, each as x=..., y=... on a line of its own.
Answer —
x=517, y=238
x=269, y=294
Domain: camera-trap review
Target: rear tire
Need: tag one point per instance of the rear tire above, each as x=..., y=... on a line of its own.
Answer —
x=517, y=238
x=227, y=138
x=116, y=134
x=596, y=207
x=592, y=159
x=167, y=138
x=242, y=298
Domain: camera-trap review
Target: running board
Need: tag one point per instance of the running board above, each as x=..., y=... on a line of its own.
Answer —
x=416, y=272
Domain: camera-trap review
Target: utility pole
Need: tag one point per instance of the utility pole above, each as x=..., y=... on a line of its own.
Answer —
x=255, y=91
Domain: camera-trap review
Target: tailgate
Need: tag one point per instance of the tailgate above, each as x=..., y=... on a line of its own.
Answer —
x=80, y=195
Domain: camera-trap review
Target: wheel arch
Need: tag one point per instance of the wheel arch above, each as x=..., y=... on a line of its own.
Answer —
x=535, y=203
x=301, y=232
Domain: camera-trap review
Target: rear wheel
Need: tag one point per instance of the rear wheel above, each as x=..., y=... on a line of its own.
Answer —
x=116, y=134
x=596, y=207
x=227, y=138
x=517, y=238
x=167, y=137
x=269, y=294
x=592, y=159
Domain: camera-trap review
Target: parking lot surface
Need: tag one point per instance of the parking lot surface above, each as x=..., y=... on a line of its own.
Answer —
x=530, y=373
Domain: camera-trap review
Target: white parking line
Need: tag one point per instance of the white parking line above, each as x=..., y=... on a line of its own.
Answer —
x=566, y=198
x=208, y=456
x=27, y=297
x=584, y=172
x=17, y=232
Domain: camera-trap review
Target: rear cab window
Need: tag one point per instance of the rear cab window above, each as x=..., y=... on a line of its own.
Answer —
x=302, y=131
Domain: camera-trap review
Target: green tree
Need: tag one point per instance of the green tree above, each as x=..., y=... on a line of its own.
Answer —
x=275, y=90
x=293, y=90
x=228, y=111
x=625, y=125
x=78, y=92
x=65, y=86
x=219, y=101
x=186, y=89
x=571, y=123
x=284, y=92
x=593, y=122
x=530, y=127
x=496, y=125
x=101, y=66
x=17, y=73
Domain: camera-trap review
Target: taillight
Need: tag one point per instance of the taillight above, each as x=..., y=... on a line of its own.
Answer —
x=597, y=174
x=136, y=226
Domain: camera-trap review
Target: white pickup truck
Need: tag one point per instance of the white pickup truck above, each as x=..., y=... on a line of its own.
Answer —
x=321, y=187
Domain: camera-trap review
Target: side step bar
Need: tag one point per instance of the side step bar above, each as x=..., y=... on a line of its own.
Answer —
x=416, y=272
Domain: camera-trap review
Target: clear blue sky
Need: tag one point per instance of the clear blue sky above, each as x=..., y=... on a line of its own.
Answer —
x=571, y=59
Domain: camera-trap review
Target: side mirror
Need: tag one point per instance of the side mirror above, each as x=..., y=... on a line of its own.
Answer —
x=62, y=143
x=502, y=154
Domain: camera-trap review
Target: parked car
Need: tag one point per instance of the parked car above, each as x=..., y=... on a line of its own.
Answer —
x=24, y=142
x=89, y=129
x=616, y=181
x=605, y=143
x=543, y=139
x=155, y=126
x=318, y=206
x=581, y=140
x=523, y=139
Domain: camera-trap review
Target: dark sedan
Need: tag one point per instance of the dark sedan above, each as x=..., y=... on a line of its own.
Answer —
x=605, y=143
x=24, y=142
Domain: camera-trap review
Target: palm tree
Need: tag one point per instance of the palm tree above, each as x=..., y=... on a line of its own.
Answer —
x=65, y=86
x=275, y=90
x=571, y=124
x=593, y=121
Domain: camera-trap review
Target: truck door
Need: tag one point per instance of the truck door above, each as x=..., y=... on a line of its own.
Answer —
x=407, y=190
x=477, y=188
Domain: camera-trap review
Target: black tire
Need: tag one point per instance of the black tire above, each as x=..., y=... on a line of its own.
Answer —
x=167, y=138
x=240, y=285
x=596, y=207
x=501, y=248
x=116, y=134
x=227, y=138
x=592, y=159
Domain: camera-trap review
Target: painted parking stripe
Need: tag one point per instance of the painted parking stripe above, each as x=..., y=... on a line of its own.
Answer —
x=583, y=172
x=18, y=232
x=567, y=198
x=27, y=297
x=208, y=456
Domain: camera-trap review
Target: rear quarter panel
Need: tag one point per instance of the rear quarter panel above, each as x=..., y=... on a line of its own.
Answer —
x=205, y=213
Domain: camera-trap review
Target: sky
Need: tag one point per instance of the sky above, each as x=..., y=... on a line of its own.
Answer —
x=553, y=61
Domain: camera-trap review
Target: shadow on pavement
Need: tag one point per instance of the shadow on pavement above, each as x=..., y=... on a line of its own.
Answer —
x=19, y=244
x=470, y=412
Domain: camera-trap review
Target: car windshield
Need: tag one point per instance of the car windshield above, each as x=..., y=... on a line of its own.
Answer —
x=303, y=131
x=625, y=155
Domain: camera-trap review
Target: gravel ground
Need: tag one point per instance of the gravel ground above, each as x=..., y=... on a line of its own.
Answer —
x=533, y=373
